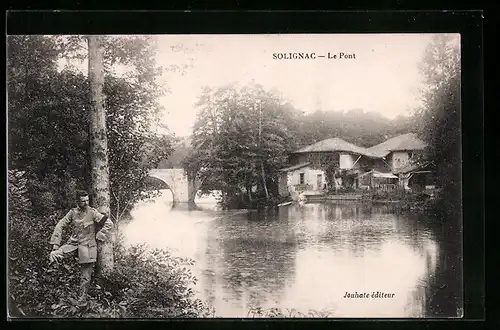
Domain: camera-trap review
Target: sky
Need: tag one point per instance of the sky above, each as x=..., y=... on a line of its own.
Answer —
x=383, y=76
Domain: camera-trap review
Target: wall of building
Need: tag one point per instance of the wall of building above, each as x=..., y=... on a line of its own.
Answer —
x=399, y=159
x=347, y=160
x=310, y=177
x=355, y=162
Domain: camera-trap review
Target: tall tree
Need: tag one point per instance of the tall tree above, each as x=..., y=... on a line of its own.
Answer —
x=49, y=118
x=439, y=117
x=440, y=126
x=247, y=133
x=99, y=144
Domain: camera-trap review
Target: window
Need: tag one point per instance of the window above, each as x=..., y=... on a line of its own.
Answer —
x=301, y=178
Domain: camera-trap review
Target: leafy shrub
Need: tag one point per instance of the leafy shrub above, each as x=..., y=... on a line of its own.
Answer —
x=259, y=312
x=28, y=247
x=391, y=195
x=152, y=284
x=143, y=283
x=52, y=192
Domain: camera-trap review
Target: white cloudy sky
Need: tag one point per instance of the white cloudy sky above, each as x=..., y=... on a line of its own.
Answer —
x=384, y=76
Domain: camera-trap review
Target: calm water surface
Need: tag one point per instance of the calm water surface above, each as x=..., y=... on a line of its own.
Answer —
x=301, y=258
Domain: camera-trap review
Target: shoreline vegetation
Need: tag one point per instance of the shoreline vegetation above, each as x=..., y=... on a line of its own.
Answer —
x=419, y=200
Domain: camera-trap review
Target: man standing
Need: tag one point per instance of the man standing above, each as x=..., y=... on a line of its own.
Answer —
x=84, y=219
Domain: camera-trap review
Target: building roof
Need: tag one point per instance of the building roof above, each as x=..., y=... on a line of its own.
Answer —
x=408, y=141
x=413, y=166
x=335, y=144
x=294, y=167
x=378, y=174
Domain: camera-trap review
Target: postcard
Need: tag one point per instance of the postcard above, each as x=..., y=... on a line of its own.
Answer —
x=235, y=175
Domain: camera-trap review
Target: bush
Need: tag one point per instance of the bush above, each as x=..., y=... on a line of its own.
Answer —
x=53, y=192
x=390, y=195
x=143, y=283
x=152, y=284
x=259, y=312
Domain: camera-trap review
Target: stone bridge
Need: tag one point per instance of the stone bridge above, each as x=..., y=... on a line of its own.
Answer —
x=183, y=188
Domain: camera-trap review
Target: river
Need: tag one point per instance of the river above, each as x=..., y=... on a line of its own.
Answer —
x=306, y=258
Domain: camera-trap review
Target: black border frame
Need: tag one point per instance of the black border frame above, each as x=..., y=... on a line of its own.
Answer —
x=469, y=23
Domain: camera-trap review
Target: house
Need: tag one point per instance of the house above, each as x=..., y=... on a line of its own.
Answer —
x=383, y=166
x=304, y=176
x=397, y=152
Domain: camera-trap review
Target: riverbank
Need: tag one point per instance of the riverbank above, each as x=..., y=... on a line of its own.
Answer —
x=400, y=199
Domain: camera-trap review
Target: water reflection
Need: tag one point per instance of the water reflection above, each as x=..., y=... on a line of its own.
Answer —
x=300, y=257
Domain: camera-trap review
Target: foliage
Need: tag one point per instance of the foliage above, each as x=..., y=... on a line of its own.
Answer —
x=345, y=189
x=439, y=117
x=240, y=140
x=406, y=200
x=48, y=121
x=28, y=250
x=393, y=195
x=357, y=126
x=226, y=144
x=133, y=147
x=259, y=312
x=143, y=283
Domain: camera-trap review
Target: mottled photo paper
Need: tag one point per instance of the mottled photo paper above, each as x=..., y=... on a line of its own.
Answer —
x=235, y=176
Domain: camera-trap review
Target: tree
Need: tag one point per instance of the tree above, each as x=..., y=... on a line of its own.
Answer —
x=357, y=126
x=132, y=102
x=48, y=117
x=49, y=147
x=99, y=145
x=47, y=122
x=439, y=116
x=439, y=125
x=242, y=137
x=202, y=161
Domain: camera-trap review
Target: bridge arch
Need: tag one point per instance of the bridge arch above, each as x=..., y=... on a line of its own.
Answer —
x=182, y=186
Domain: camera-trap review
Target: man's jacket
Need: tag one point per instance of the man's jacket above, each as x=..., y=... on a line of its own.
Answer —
x=84, y=232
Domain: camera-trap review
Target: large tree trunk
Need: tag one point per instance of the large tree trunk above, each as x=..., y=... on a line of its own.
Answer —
x=99, y=147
